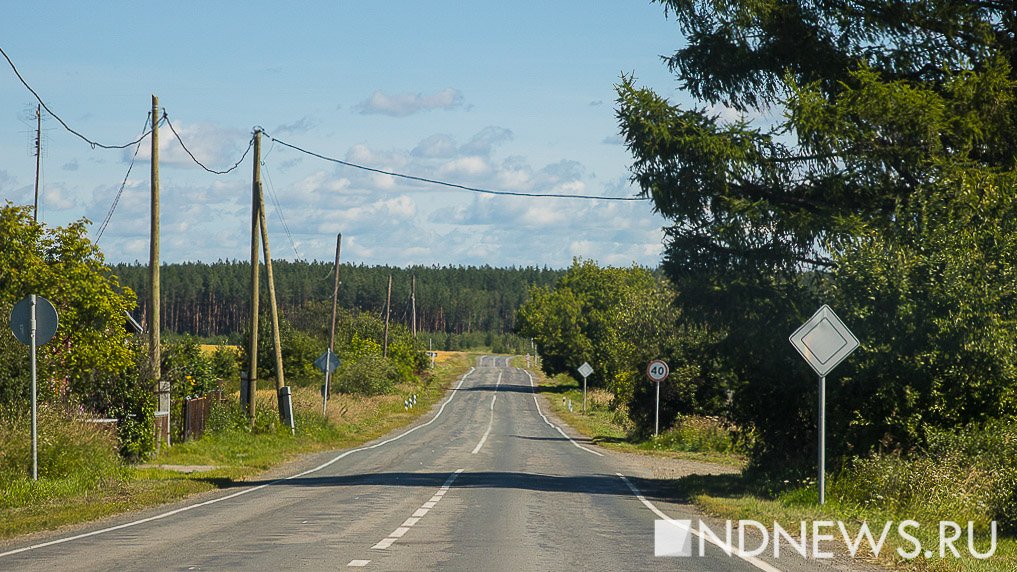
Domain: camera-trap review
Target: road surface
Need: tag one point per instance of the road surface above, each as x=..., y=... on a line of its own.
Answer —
x=484, y=482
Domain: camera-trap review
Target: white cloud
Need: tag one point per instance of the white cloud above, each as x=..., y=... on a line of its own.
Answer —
x=215, y=146
x=390, y=220
x=403, y=104
x=465, y=166
x=438, y=146
x=485, y=140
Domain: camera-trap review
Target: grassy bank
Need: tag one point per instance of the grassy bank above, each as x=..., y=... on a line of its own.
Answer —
x=700, y=439
x=959, y=480
x=82, y=483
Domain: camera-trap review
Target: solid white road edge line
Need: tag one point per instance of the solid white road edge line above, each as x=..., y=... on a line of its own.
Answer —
x=542, y=416
x=750, y=559
x=243, y=492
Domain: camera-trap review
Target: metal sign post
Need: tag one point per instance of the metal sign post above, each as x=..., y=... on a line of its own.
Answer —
x=585, y=370
x=327, y=363
x=34, y=322
x=35, y=406
x=824, y=341
x=657, y=371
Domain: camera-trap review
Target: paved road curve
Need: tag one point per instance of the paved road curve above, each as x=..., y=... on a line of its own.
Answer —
x=486, y=482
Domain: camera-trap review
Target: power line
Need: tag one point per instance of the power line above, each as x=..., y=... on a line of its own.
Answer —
x=94, y=144
x=278, y=210
x=116, y=200
x=452, y=185
x=165, y=117
x=250, y=143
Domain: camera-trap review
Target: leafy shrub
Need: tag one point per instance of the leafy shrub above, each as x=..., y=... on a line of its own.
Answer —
x=369, y=375
x=226, y=417
x=225, y=362
x=698, y=434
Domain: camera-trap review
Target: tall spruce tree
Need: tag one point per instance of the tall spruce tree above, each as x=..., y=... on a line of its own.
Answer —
x=872, y=167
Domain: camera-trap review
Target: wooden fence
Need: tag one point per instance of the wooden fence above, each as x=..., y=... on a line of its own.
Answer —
x=196, y=411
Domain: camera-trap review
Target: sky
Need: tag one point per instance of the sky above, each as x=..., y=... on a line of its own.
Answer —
x=509, y=96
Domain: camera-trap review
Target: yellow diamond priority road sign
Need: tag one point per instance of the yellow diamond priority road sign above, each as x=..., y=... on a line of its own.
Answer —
x=824, y=341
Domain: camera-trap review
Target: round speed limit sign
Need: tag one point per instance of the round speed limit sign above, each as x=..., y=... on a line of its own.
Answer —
x=657, y=371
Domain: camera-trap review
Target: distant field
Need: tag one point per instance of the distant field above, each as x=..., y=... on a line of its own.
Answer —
x=209, y=349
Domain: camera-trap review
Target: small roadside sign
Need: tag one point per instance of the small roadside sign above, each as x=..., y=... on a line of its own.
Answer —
x=585, y=370
x=824, y=341
x=657, y=371
x=46, y=320
x=327, y=362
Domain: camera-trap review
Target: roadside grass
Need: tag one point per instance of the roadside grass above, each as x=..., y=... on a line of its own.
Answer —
x=874, y=491
x=732, y=497
x=229, y=453
x=698, y=439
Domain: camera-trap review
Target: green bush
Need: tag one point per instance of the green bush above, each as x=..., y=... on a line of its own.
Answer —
x=369, y=375
x=226, y=417
x=698, y=434
x=225, y=363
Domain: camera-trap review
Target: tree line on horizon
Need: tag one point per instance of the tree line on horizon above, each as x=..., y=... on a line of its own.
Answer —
x=212, y=300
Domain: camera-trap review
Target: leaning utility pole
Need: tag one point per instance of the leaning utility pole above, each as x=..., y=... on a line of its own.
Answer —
x=280, y=380
x=388, y=313
x=252, y=351
x=154, y=319
x=331, y=331
x=413, y=305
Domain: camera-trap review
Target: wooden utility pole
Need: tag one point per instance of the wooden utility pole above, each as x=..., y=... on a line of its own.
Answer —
x=388, y=314
x=413, y=305
x=280, y=380
x=154, y=317
x=38, y=156
x=331, y=331
x=252, y=351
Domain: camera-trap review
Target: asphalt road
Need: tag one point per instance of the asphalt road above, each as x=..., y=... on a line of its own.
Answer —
x=484, y=482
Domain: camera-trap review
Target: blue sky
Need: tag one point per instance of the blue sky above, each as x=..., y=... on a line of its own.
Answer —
x=514, y=96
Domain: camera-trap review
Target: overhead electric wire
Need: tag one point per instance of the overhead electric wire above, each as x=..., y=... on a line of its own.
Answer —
x=195, y=159
x=250, y=144
x=94, y=144
x=116, y=200
x=278, y=209
x=452, y=185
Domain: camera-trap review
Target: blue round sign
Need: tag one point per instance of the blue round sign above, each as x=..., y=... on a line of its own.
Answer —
x=46, y=320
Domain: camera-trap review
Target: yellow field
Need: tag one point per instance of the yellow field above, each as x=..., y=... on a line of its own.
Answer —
x=209, y=349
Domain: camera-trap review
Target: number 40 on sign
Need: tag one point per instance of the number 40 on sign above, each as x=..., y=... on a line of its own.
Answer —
x=657, y=371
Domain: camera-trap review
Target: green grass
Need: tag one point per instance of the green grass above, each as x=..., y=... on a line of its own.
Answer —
x=698, y=440
x=733, y=497
x=236, y=453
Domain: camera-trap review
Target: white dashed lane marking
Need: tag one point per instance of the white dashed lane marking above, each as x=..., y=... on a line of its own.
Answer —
x=420, y=512
x=491, y=422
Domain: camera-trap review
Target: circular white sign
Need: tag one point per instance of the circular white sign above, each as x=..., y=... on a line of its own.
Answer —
x=657, y=371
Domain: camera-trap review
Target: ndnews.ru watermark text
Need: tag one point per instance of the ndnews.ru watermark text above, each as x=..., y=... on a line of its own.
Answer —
x=821, y=539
